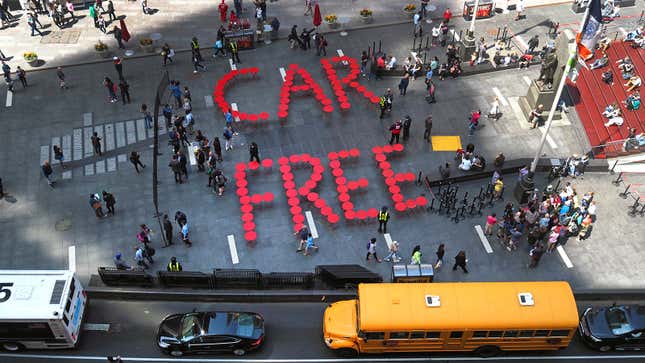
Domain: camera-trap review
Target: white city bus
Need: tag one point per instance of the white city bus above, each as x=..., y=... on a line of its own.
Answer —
x=40, y=309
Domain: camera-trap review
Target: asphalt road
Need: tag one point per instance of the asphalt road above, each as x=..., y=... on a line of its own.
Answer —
x=293, y=335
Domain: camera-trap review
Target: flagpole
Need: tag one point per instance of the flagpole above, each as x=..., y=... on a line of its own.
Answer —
x=549, y=121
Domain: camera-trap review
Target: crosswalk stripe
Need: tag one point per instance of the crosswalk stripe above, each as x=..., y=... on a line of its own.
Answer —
x=99, y=131
x=9, y=101
x=71, y=258
x=141, y=129
x=130, y=132
x=388, y=240
x=231, y=246
x=283, y=73
x=89, y=169
x=100, y=167
x=499, y=95
x=122, y=158
x=455, y=34
x=109, y=137
x=483, y=238
x=88, y=150
x=111, y=164
x=312, y=224
x=564, y=257
x=341, y=54
x=67, y=147
x=120, y=134
x=44, y=154
x=87, y=119
x=234, y=108
x=78, y=144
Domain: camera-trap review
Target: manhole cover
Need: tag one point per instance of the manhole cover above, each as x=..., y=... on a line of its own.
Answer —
x=63, y=225
x=61, y=37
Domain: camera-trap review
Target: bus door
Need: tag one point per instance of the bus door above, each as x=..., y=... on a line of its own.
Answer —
x=453, y=340
x=372, y=342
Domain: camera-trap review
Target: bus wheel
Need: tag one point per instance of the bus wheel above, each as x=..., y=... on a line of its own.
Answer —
x=487, y=351
x=176, y=353
x=347, y=352
x=12, y=347
x=605, y=348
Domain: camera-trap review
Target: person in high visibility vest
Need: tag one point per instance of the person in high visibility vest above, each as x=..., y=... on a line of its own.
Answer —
x=232, y=45
x=174, y=266
x=194, y=47
x=383, y=217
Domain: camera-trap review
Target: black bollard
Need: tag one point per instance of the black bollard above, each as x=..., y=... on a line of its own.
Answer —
x=490, y=202
x=456, y=217
x=479, y=209
x=481, y=190
x=414, y=43
x=626, y=192
x=427, y=41
x=463, y=210
x=472, y=208
x=431, y=205
x=465, y=201
x=619, y=179
x=419, y=179
x=642, y=211
x=611, y=171
x=634, y=207
x=498, y=30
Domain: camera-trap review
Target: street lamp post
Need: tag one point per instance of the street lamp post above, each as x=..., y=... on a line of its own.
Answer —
x=471, y=30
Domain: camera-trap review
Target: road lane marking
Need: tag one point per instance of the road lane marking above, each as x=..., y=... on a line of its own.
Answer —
x=388, y=240
x=341, y=54
x=233, y=66
x=131, y=132
x=9, y=99
x=499, y=95
x=88, y=148
x=233, y=248
x=283, y=73
x=549, y=139
x=234, y=108
x=78, y=144
x=141, y=129
x=527, y=80
x=483, y=238
x=71, y=258
x=312, y=224
x=96, y=327
x=564, y=257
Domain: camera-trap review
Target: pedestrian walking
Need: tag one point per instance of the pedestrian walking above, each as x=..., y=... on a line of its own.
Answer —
x=498, y=187
x=535, y=254
x=194, y=48
x=174, y=266
x=6, y=70
x=167, y=54
x=407, y=122
x=135, y=159
x=395, y=130
x=223, y=11
x=494, y=109
x=180, y=218
x=364, y=61
x=187, y=95
x=118, y=65
x=371, y=250
x=473, y=122
x=47, y=172
x=394, y=253
x=110, y=11
x=321, y=47
x=460, y=261
x=147, y=116
x=228, y=138
x=111, y=88
x=217, y=148
x=144, y=235
x=176, y=168
x=309, y=245
x=491, y=220
x=167, y=114
x=303, y=234
x=96, y=143
x=441, y=250
x=403, y=84
x=428, y=129
x=110, y=201
x=22, y=76
x=254, y=152
x=197, y=63
x=124, y=87
x=385, y=102
x=94, y=14
x=118, y=35
x=416, y=255
x=176, y=93
x=183, y=163
x=167, y=228
x=31, y=20
x=232, y=46
x=184, y=235
x=61, y=78
x=95, y=203
x=58, y=155
x=139, y=257
x=383, y=217
x=120, y=264
x=102, y=24
x=220, y=182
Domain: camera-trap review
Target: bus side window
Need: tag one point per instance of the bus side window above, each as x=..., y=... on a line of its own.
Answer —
x=374, y=336
x=559, y=333
x=456, y=334
x=65, y=320
x=541, y=333
x=495, y=334
x=433, y=335
x=417, y=335
x=480, y=334
x=526, y=334
x=399, y=335
x=510, y=334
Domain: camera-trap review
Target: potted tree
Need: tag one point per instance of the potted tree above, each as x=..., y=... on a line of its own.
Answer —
x=31, y=58
x=366, y=15
x=409, y=10
x=146, y=45
x=102, y=49
x=332, y=21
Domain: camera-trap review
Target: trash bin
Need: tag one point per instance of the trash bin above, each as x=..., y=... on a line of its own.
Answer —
x=412, y=273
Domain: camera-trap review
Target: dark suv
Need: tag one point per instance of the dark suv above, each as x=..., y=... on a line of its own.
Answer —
x=620, y=327
x=210, y=332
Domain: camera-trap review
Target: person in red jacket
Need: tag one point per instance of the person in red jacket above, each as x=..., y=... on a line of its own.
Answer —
x=223, y=11
x=395, y=129
x=447, y=15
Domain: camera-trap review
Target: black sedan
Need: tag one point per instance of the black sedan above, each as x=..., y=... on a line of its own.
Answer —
x=210, y=332
x=620, y=327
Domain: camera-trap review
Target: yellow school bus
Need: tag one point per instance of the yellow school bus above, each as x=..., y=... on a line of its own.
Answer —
x=483, y=317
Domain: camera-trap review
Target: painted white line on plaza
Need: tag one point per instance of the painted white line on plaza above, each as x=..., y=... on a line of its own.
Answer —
x=233, y=248
x=9, y=99
x=44, y=154
x=191, y=154
x=71, y=258
x=341, y=54
x=234, y=108
x=622, y=30
x=527, y=80
x=549, y=139
x=283, y=73
x=328, y=360
x=96, y=327
x=312, y=224
x=499, y=95
x=388, y=240
x=456, y=36
x=483, y=238
x=233, y=66
x=523, y=45
x=209, y=101
x=564, y=257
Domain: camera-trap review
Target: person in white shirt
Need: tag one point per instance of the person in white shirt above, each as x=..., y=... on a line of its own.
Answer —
x=435, y=34
x=391, y=64
x=466, y=164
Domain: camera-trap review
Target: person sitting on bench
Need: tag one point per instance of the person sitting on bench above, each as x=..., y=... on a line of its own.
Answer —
x=600, y=62
x=479, y=163
x=611, y=111
x=466, y=164
x=634, y=34
x=633, y=101
x=633, y=82
x=608, y=77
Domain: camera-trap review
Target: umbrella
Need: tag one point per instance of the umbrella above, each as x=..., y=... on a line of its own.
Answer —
x=317, y=17
x=124, y=31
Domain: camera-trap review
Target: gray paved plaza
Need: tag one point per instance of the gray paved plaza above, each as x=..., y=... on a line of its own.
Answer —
x=39, y=224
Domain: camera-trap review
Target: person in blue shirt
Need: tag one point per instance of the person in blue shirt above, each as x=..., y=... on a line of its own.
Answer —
x=176, y=93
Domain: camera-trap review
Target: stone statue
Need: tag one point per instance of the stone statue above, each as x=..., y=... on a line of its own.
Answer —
x=549, y=66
